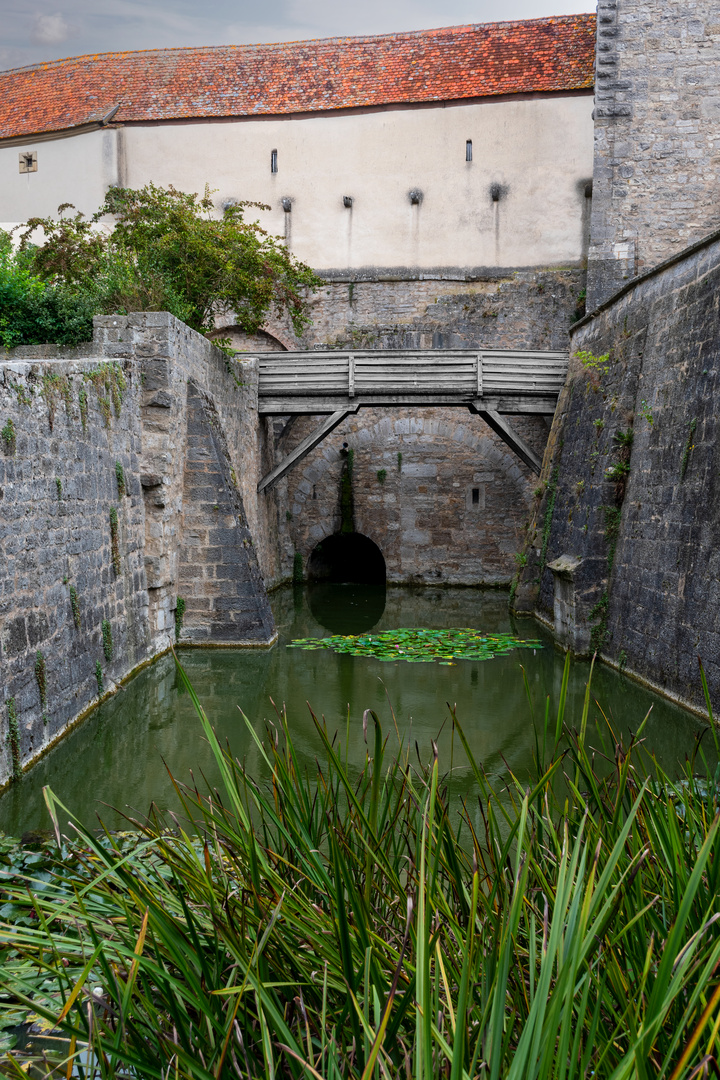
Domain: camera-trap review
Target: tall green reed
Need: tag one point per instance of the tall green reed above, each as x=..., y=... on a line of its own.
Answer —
x=364, y=926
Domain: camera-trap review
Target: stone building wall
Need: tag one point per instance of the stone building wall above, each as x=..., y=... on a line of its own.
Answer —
x=657, y=135
x=623, y=547
x=95, y=507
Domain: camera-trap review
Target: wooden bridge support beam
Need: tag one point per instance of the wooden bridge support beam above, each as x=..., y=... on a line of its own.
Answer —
x=501, y=426
x=303, y=448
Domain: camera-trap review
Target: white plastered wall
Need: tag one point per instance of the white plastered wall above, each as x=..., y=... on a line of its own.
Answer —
x=538, y=151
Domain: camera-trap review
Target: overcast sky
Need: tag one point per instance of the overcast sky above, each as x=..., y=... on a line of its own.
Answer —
x=36, y=30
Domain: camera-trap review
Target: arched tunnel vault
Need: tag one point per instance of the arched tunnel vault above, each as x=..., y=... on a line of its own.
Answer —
x=436, y=491
x=347, y=557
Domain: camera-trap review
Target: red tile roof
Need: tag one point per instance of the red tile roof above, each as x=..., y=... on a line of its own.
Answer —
x=484, y=60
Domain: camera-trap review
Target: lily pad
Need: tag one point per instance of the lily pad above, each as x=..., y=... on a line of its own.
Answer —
x=420, y=645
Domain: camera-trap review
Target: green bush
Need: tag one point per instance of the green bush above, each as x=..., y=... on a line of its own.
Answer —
x=167, y=252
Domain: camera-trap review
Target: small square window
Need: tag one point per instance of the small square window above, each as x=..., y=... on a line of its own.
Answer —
x=28, y=161
x=476, y=496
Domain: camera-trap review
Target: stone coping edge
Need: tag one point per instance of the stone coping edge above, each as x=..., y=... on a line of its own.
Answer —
x=698, y=245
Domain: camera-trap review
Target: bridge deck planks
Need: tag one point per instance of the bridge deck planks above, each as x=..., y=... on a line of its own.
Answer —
x=393, y=377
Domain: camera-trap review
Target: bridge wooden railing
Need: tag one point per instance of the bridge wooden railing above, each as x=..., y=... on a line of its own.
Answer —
x=289, y=382
x=489, y=382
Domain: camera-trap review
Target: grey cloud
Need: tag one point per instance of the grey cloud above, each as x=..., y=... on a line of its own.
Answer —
x=34, y=32
x=50, y=29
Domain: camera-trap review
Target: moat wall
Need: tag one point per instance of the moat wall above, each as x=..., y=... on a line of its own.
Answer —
x=631, y=527
x=104, y=524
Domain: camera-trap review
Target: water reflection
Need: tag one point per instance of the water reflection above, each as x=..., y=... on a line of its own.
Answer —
x=118, y=757
x=347, y=608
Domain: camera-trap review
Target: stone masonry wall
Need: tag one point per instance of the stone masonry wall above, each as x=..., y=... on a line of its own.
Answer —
x=59, y=488
x=95, y=507
x=530, y=309
x=422, y=516
x=657, y=135
x=631, y=511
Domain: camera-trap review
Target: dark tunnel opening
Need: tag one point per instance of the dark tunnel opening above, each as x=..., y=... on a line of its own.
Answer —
x=347, y=557
x=346, y=575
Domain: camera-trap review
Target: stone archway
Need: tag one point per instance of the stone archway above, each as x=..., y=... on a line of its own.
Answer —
x=436, y=491
x=347, y=557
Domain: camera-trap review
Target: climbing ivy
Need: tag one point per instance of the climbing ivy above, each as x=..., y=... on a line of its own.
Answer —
x=99, y=677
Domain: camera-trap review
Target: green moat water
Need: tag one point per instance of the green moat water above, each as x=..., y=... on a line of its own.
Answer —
x=116, y=760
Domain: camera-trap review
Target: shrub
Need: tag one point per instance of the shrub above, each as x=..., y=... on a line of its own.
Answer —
x=166, y=252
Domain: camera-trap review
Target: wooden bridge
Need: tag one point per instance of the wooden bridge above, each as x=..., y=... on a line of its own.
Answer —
x=491, y=383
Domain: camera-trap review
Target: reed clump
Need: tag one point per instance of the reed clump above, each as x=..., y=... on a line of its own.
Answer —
x=363, y=926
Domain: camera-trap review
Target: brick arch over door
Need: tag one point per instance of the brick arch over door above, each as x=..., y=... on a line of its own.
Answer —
x=450, y=510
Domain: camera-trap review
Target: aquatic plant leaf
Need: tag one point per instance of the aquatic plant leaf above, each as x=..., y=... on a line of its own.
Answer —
x=421, y=645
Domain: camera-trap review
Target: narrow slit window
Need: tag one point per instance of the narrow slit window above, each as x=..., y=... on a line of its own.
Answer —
x=476, y=496
x=468, y=150
x=273, y=161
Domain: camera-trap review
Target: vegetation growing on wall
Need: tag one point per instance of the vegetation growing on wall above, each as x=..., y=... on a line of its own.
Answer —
x=75, y=606
x=14, y=739
x=8, y=437
x=107, y=640
x=179, y=615
x=120, y=477
x=115, y=540
x=41, y=680
x=168, y=252
x=109, y=381
x=83, y=406
x=99, y=677
x=347, y=500
x=55, y=388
